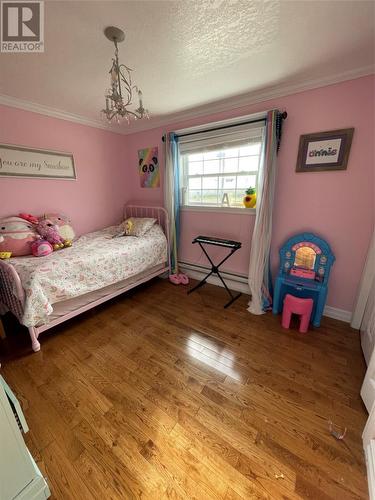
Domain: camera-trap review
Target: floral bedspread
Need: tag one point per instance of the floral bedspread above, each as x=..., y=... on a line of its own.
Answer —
x=94, y=261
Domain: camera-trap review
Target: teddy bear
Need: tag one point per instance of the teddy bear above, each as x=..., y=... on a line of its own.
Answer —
x=49, y=232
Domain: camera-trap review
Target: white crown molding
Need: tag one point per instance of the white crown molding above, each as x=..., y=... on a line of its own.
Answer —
x=41, y=109
x=243, y=100
x=255, y=97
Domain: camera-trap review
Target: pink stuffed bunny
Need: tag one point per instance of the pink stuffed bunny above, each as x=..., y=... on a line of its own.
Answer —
x=49, y=232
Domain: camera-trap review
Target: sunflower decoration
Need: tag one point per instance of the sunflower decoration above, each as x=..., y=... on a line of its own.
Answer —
x=250, y=199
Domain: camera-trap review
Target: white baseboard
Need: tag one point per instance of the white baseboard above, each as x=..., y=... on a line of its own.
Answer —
x=336, y=313
x=239, y=284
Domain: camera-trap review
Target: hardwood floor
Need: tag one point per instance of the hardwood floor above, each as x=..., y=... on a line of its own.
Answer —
x=162, y=395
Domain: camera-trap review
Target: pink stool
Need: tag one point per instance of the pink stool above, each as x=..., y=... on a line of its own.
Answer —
x=296, y=305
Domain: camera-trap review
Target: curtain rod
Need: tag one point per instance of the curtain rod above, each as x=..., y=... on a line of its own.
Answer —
x=283, y=116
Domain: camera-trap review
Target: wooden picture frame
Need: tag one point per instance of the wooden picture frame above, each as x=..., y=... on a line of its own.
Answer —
x=20, y=161
x=324, y=150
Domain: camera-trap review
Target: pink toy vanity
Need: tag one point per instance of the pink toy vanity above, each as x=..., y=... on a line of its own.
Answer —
x=305, y=264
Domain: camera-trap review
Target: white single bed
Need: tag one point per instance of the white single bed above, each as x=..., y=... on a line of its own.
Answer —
x=43, y=292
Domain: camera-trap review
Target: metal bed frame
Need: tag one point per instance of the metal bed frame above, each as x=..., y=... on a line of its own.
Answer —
x=12, y=294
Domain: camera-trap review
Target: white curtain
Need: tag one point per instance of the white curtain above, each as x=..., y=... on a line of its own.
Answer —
x=259, y=272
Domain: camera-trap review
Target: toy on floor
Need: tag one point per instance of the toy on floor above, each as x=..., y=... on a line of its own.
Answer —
x=296, y=305
x=305, y=264
x=179, y=279
x=336, y=431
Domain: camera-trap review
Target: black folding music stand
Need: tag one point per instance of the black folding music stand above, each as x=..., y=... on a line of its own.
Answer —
x=230, y=244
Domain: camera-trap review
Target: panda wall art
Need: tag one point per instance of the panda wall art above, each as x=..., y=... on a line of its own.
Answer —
x=148, y=164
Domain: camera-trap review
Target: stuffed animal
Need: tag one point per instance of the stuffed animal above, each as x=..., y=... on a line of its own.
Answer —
x=49, y=232
x=41, y=248
x=125, y=229
x=29, y=218
x=128, y=227
x=63, y=224
x=16, y=236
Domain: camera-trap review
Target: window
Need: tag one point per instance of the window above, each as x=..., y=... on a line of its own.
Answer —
x=218, y=166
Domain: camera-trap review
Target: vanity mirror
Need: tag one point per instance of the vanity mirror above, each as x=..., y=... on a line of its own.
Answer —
x=305, y=257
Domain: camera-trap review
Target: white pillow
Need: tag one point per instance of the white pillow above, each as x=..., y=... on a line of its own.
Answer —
x=137, y=226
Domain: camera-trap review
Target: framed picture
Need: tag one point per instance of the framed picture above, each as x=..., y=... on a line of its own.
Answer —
x=148, y=167
x=19, y=161
x=324, y=150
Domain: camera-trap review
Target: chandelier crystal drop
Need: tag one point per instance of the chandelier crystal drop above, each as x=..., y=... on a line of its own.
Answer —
x=119, y=96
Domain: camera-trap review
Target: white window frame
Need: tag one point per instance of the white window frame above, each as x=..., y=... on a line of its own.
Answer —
x=224, y=123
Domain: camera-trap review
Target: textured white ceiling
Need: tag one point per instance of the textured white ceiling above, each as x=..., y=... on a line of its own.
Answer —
x=188, y=53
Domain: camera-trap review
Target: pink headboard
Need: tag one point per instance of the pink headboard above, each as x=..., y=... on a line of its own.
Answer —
x=158, y=213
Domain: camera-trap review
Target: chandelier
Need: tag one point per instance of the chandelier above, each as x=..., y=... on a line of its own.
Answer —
x=119, y=97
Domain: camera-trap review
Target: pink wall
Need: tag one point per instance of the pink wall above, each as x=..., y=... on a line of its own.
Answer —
x=95, y=199
x=339, y=206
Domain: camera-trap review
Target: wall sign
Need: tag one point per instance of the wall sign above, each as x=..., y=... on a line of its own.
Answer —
x=148, y=165
x=324, y=150
x=18, y=161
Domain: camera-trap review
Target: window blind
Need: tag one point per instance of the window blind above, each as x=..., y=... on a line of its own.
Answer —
x=222, y=138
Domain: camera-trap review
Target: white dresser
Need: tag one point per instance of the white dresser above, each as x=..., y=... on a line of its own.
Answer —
x=20, y=477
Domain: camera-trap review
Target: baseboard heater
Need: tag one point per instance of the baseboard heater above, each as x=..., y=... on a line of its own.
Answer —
x=234, y=281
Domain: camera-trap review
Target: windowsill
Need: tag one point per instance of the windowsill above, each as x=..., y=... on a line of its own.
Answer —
x=221, y=210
